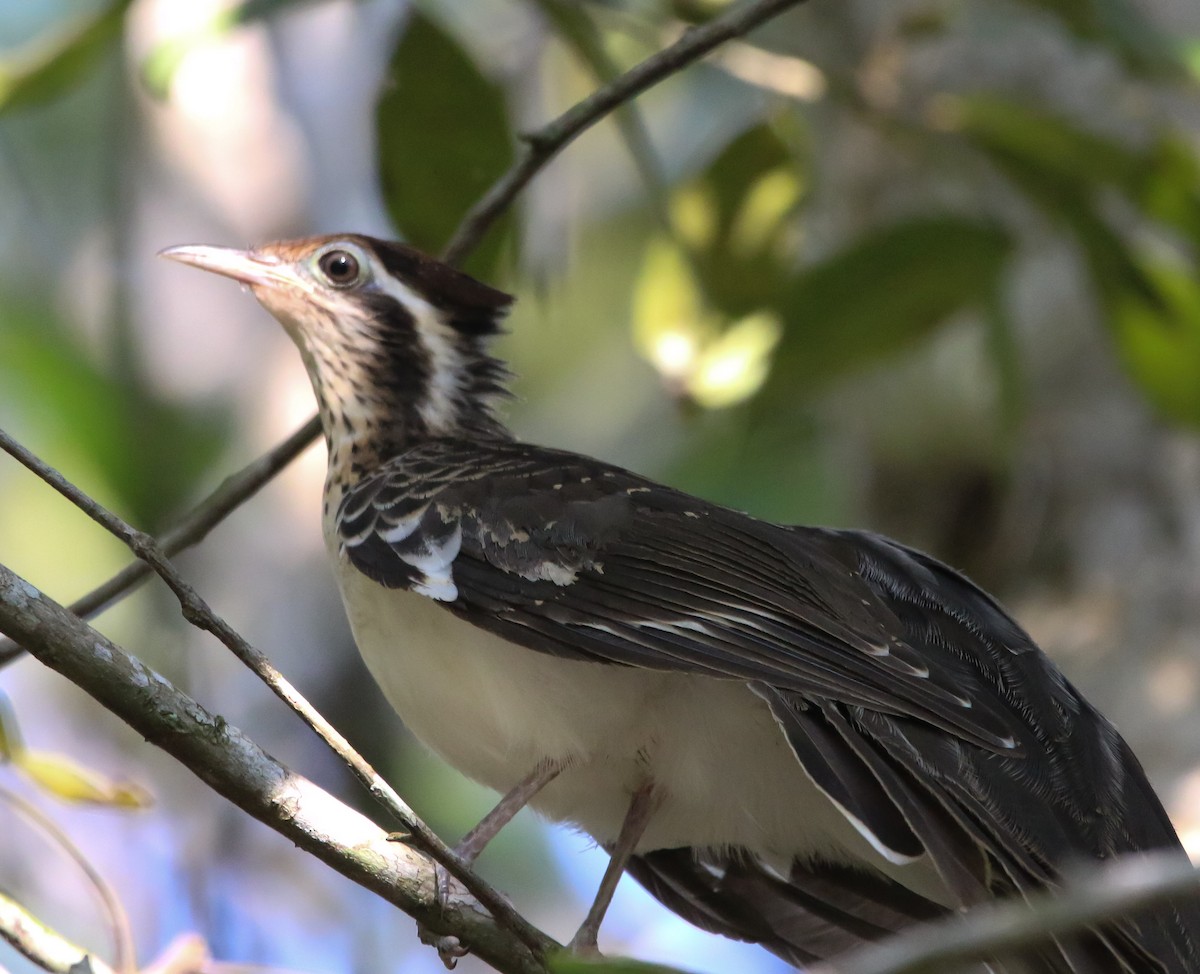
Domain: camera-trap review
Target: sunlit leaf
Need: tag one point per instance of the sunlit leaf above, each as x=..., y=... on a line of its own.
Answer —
x=881, y=294
x=443, y=136
x=49, y=66
x=68, y=780
x=732, y=367
x=163, y=61
x=736, y=216
x=670, y=324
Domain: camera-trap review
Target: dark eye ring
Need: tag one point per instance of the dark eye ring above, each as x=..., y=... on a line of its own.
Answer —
x=340, y=268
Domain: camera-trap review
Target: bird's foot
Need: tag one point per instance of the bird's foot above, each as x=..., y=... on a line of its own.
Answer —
x=449, y=949
x=445, y=889
x=584, y=945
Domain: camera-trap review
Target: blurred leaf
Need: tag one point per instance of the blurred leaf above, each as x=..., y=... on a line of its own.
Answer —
x=670, y=322
x=733, y=366
x=49, y=66
x=163, y=61
x=67, y=780
x=1151, y=307
x=713, y=362
x=1061, y=169
x=1159, y=341
x=1055, y=160
x=62, y=776
x=1169, y=190
x=1121, y=26
x=1191, y=53
x=1052, y=143
x=152, y=452
x=735, y=216
x=443, y=137
x=882, y=293
x=10, y=733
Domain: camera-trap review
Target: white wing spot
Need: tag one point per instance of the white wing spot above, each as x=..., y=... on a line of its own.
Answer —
x=437, y=586
x=550, y=571
x=402, y=529
x=437, y=559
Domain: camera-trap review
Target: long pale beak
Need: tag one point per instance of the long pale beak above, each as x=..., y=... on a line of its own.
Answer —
x=248, y=266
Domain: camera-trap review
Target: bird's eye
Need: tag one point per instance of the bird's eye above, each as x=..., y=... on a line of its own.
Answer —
x=340, y=268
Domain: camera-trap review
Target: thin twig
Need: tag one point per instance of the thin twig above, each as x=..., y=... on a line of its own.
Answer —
x=50, y=950
x=193, y=528
x=237, y=768
x=197, y=612
x=126, y=955
x=1089, y=897
x=544, y=144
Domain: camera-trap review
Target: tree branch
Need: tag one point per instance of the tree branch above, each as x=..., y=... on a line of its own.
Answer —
x=237, y=768
x=197, y=612
x=123, y=948
x=37, y=942
x=194, y=527
x=544, y=144
x=1100, y=893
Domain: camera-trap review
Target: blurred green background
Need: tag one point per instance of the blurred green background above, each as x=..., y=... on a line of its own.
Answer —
x=930, y=267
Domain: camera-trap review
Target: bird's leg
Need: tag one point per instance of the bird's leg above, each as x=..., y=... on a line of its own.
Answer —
x=473, y=843
x=636, y=819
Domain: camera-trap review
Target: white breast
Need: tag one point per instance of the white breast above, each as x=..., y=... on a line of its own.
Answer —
x=493, y=710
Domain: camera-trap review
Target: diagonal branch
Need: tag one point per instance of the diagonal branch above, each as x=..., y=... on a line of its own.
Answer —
x=197, y=612
x=544, y=144
x=47, y=949
x=237, y=768
x=235, y=490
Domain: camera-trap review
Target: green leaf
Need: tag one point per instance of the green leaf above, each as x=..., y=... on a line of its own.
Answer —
x=881, y=294
x=50, y=66
x=1061, y=166
x=1048, y=141
x=734, y=219
x=69, y=781
x=444, y=138
x=152, y=452
x=1159, y=341
x=1062, y=170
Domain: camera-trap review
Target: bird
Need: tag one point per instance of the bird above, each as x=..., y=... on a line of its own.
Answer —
x=808, y=738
